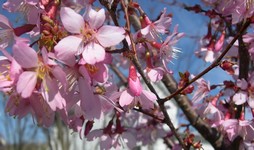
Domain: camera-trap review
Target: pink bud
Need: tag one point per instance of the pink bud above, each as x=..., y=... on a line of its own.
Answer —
x=148, y=60
x=134, y=82
x=219, y=44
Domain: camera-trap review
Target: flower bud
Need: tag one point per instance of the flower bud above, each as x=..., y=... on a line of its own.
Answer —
x=134, y=82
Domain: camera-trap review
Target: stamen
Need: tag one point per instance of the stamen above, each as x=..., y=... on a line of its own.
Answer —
x=91, y=68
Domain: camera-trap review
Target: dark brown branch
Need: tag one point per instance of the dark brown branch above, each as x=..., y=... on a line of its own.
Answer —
x=244, y=59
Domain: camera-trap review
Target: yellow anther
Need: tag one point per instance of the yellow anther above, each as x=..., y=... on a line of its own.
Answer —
x=91, y=68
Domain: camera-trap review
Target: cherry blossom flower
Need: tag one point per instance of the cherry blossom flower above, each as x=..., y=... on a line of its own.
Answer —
x=92, y=37
x=37, y=69
x=164, y=52
x=167, y=50
x=153, y=29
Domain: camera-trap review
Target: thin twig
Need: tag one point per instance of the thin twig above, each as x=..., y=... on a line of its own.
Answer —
x=149, y=114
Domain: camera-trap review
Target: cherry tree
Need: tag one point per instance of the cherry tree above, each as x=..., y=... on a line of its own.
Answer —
x=85, y=60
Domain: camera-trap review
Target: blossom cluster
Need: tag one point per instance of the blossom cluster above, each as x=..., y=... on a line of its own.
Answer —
x=65, y=72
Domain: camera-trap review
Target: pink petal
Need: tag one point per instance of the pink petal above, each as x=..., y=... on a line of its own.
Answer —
x=251, y=101
x=135, y=87
x=21, y=109
x=147, y=99
x=52, y=95
x=93, y=53
x=25, y=55
x=84, y=73
x=155, y=74
x=231, y=127
x=129, y=139
x=146, y=30
x=44, y=115
x=90, y=103
x=72, y=21
x=126, y=98
x=108, y=104
x=219, y=44
x=94, y=134
x=149, y=95
x=15, y=70
x=209, y=56
x=60, y=75
x=76, y=124
x=240, y=97
x=94, y=18
x=67, y=48
x=110, y=35
x=102, y=74
x=4, y=22
x=26, y=83
x=107, y=142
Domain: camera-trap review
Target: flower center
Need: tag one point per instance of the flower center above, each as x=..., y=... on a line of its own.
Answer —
x=92, y=69
x=5, y=74
x=42, y=70
x=88, y=33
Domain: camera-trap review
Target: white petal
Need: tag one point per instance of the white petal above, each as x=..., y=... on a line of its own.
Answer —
x=72, y=21
x=94, y=18
x=67, y=48
x=93, y=53
x=110, y=35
